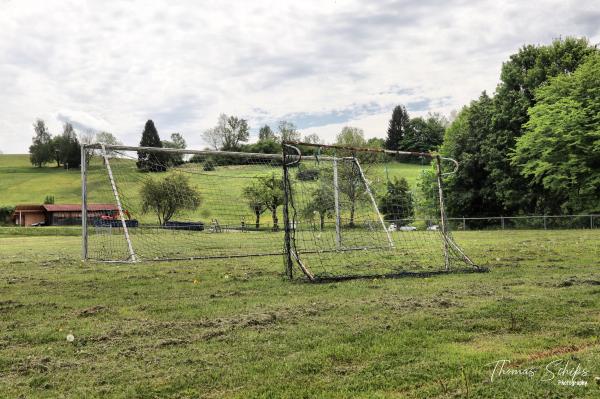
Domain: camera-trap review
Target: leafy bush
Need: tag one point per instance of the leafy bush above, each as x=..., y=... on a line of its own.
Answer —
x=208, y=165
x=307, y=174
x=5, y=212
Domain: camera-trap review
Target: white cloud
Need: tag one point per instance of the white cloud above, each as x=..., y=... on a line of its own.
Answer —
x=112, y=65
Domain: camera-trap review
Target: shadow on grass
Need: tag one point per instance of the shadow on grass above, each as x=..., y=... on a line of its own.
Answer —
x=323, y=279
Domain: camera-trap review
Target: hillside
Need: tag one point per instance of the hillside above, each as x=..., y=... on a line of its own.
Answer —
x=21, y=183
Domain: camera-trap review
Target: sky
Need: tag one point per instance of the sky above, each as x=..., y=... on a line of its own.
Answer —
x=112, y=65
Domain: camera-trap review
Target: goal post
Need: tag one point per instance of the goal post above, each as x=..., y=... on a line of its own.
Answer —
x=329, y=211
x=352, y=217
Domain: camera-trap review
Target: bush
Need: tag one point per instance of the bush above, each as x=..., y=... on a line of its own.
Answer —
x=307, y=174
x=49, y=199
x=5, y=212
x=208, y=165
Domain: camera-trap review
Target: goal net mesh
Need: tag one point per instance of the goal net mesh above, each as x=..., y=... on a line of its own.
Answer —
x=348, y=213
x=360, y=213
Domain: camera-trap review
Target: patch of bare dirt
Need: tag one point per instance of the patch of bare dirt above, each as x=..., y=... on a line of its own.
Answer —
x=92, y=311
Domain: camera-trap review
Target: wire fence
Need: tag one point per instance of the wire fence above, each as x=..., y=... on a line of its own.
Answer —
x=530, y=222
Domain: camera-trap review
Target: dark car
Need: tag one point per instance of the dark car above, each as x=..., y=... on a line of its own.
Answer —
x=191, y=226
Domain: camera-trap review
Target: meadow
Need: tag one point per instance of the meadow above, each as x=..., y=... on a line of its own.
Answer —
x=238, y=328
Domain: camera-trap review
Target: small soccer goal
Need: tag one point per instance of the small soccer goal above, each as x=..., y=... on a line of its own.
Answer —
x=328, y=212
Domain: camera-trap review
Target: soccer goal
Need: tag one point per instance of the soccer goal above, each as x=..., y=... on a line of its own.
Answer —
x=328, y=212
x=359, y=212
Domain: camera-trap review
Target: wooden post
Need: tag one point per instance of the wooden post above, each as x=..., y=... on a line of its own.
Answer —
x=502, y=221
x=84, y=219
x=438, y=165
x=118, y=199
x=287, y=245
x=336, y=196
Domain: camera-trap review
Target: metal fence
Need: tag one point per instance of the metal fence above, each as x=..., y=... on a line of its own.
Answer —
x=532, y=222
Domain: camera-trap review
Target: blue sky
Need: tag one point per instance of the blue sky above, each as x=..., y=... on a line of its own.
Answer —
x=111, y=65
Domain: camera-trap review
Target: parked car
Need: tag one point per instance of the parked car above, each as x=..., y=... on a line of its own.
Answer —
x=407, y=228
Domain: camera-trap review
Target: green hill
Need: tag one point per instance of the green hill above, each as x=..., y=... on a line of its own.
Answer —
x=22, y=183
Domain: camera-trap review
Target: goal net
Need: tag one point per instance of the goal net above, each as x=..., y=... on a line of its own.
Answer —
x=328, y=212
x=358, y=212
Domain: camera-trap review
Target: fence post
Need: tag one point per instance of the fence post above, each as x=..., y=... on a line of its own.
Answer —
x=591, y=222
x=502, y=221
x=464, y=224
x=544, y=222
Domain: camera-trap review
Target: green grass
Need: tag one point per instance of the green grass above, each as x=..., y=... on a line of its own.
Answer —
x=237, y=329
x=20, y=182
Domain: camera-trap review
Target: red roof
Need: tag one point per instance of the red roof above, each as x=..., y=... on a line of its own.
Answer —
x=29, y=208
x=77, y=208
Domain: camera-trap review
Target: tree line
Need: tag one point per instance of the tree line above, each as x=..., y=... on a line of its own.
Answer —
x=533, y=146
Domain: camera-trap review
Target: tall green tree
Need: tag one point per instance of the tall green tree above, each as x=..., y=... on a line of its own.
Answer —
x=560, y=149
x=424, y=134
x=398, y=126
x=471, y=190
x=41, y=150
x=151, y=161
x=396, y=204
x=524, y=72
x=484, y=134
x=67, y=147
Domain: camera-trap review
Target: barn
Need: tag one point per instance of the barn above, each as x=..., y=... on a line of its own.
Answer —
x=58, y=214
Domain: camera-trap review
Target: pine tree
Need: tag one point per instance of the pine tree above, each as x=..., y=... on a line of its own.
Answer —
x=151, y=161
x=399, y=124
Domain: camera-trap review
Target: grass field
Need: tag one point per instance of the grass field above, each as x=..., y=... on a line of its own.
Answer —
x=20, y=182
x=238, y=329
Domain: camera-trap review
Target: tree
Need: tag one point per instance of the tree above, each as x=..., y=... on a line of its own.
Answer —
x=560, y=149
x=312, y=138
x=322, y=203
x=108, y=139
x=235, y=133
x=376, y=142
x=40, y=152
x=255, y=198
x=265, y=133
x=229, y=134
x=530, y=68
x=351, y=136
x=424, y=134
x=169, y=196
x=288, y=131
x=484, y=134
x=151, y=161
x=70, y=151
x=212, y=137
x=396, y=205
x=471, y=190
x=272, y=194
x=178, y=142
x=398, y=126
